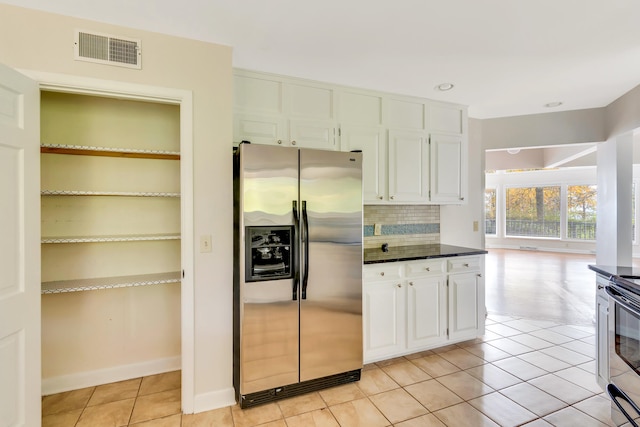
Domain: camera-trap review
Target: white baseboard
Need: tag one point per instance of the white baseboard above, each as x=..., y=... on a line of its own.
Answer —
x=104, y=376
x=535, y=248
x=214, y=400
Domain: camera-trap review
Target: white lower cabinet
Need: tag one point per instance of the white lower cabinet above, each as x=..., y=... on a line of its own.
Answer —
x=418, y=305
x=426, y=319
x=464, y=307
x=384, y=324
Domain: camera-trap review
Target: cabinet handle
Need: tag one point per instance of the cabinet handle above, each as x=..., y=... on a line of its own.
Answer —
x=391, y=197
x=382, y=273
x=293, y=143
x=279, y=141
x=600, y=287
x=461, y=198
x=380, y=197
x=479, y=275
x=410, y=283
x=465, y=264
x=428, y=268
x=399, y=285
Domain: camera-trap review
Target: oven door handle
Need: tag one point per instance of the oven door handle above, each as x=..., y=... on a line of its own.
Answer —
x=620, y=299
x=615, y=393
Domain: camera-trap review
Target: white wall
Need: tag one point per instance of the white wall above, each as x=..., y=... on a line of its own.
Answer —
x=536, y=130
x=40, y=41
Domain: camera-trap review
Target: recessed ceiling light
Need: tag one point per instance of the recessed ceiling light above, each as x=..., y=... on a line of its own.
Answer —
x=443, y=87
x=513, y=150
x=553, y=104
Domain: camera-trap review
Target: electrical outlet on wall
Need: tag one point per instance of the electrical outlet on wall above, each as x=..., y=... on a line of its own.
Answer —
x=377, y=229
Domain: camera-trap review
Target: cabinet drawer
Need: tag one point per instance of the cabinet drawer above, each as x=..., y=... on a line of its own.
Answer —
x=461, y=265
x=425, y=268
x=384, y=271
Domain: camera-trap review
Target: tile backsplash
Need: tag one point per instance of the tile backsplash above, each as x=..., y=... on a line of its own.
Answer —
x=401, y=225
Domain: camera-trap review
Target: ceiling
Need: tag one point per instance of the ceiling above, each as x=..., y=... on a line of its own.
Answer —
x=505, y=57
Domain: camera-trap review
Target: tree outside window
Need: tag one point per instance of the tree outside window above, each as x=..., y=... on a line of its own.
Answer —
x=490, y=211
x=581, y=212
x=533, y=211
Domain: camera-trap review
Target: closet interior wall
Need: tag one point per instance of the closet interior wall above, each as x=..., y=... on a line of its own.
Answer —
x=110, y=204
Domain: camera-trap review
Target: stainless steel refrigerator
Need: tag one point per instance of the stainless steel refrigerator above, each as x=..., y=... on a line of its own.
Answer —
x=297, y=271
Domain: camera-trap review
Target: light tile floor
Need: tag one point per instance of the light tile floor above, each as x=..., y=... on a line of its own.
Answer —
x=521, y=372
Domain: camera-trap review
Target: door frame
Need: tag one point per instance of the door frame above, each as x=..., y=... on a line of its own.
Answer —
x=184, y=99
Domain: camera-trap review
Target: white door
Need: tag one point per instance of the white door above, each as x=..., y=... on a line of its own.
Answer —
x=19, y=250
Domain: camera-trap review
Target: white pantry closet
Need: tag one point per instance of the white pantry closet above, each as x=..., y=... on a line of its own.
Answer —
x=111, y=223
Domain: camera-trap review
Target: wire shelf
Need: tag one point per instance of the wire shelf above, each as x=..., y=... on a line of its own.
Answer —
x=78, y=285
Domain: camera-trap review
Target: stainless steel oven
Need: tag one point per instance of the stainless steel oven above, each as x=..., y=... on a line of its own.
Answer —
x=624, y=351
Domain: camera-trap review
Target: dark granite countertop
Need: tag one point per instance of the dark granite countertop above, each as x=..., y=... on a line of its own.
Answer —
x=626, y=277
x=413, y=252
x=609, y=271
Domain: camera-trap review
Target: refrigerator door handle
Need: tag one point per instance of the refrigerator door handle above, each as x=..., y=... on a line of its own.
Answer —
x=305, y=226
x=296, y=230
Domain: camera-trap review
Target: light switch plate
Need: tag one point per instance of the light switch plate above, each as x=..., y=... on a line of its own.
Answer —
x=377, y=229
x=205, y=243
x=475, y=225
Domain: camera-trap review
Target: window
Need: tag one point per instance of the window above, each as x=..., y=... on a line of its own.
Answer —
x=581, y=212
x=490, y=211
x=533, y=211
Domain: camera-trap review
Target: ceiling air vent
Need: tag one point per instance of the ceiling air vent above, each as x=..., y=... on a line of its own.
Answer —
x=107, y=49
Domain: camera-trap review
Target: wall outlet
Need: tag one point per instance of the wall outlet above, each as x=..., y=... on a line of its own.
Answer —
x=475, y=225
x=377, y=229
x=205, y=243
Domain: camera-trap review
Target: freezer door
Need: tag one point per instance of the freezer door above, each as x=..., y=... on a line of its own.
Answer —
x=268, y=312
x=331, y=263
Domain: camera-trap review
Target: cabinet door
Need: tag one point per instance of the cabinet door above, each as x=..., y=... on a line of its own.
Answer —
x=384, y=319
x=404, y=113
x=257, y=94
x=310, y=102
x=362, y=109
x=319, y=134
x=258, y=129
x=464, y=296
x=447, y=168
x=426, y=311
x=602, y=343
x=408, y=166
x=445, y=118
x=370, y=141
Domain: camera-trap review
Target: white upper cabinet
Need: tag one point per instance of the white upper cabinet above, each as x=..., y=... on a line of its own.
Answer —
x=448, y=169
x=277, y=111
x=362, y=109
x=404, y=113
x=408, y=158
x=372, y=142
x=415, y=150
x=446, y=118
x=310, y=102
x=320, y=134
x=258, y=94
